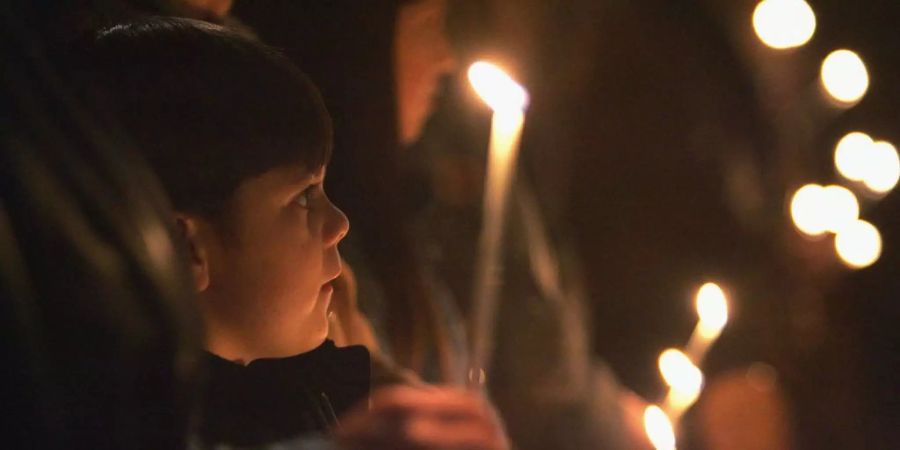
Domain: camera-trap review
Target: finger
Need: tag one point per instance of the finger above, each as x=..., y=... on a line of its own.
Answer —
x=426, y=433
x=442, y=401
x=430, y=433
x=402, y=425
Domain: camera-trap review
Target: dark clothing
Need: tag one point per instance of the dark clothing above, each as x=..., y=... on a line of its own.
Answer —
x=98, y=327
x=548, y=390
x=278, y=400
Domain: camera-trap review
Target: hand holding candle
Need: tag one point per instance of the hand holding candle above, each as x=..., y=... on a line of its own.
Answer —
x=508, y=100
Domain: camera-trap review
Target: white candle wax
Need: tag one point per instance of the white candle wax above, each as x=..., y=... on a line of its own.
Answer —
x=508, y=100
x=712, y=309
x=506, y=131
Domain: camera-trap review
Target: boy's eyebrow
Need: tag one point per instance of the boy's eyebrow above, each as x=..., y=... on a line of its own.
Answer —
x=306, y=177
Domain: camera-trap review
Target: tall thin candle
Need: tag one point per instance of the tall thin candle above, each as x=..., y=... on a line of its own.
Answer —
x=712, y=309
x=508, y=101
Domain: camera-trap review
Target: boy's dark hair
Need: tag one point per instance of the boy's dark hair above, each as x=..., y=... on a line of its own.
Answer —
x=209, y=107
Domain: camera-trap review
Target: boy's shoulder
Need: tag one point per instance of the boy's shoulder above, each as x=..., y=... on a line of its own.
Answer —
x=278, y=399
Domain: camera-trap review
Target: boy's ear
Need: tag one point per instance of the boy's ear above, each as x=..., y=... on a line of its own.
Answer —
x=193, y=236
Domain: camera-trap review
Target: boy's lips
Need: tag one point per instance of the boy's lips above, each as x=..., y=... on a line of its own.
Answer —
x=330, y=278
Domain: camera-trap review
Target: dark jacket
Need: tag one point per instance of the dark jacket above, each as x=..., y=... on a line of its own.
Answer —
x=278, y=400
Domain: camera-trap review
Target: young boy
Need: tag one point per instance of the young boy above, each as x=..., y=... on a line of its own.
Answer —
x=240, y=140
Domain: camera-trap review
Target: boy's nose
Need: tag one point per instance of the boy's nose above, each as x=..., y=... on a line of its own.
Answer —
x=336, y=227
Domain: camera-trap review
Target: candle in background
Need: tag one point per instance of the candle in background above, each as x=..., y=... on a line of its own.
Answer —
x=508, y=101
x=712, y=308
x=685, y=381
x=659, y=428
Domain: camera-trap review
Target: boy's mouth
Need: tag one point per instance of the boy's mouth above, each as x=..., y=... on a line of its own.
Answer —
x=329, y=286
x=332, y=279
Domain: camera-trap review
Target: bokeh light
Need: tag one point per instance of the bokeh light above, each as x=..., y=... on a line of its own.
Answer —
x=852, y=155
x=712, y=308
x=683, y=377
x=659, y=428
x=679, y=372
x=841, y=207
x=844, y=76
x=858, y=244
x=783, y=24
x=496, y=88
x=809, y=211
x=883, y=168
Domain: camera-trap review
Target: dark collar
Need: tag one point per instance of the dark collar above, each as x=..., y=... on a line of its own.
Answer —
x=274, y=399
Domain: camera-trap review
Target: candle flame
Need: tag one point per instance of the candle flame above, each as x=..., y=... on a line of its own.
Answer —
x=859, y=244
x=884, y=168
x=808, y=208
x=680, y=373
x=712, y=307
x=783, y=24
x=659, y=428
x=843, y=207
x=496, y=88
x=852, y=155
x=844, y=76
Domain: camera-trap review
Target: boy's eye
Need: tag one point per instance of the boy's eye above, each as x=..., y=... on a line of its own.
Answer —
x=305, y=198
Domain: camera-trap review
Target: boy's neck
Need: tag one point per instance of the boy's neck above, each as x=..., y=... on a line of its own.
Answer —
x=244, y=356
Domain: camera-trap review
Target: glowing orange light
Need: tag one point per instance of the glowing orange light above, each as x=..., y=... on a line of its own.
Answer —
x=808, y=210
x=844, y=76
x=783, y=24
x=659, y=428
x=883, y=169
x=683, y=377
x=852, y=155
x=712, y=307
x=496, y=88
x=858, y=244
x=842, y=207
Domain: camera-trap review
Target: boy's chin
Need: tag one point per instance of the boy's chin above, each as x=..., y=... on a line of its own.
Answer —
x=322, y=331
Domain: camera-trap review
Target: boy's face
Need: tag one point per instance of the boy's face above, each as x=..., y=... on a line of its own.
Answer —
x=270, y=267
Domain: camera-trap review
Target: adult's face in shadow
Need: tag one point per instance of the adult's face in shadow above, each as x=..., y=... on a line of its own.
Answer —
x=422, y=55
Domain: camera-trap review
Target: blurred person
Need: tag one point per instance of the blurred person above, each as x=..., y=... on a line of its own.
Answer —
x=548, y=389
x=240, y=139
x=655, y=156
x=98, y=328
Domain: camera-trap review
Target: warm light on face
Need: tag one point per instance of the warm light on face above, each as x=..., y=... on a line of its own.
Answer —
x=808, y=210
x=858, y=244
x=783, y=24
x=883, y=169
x=659, y=428
x=496, y=88
x=852, y=155
x=844, y=76
x=842, y=207
x=712, y=307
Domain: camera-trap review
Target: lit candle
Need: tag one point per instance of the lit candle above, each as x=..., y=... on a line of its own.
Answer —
x=508, y=100
x=712, y=308
x=659, y=428
x=685, y=381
